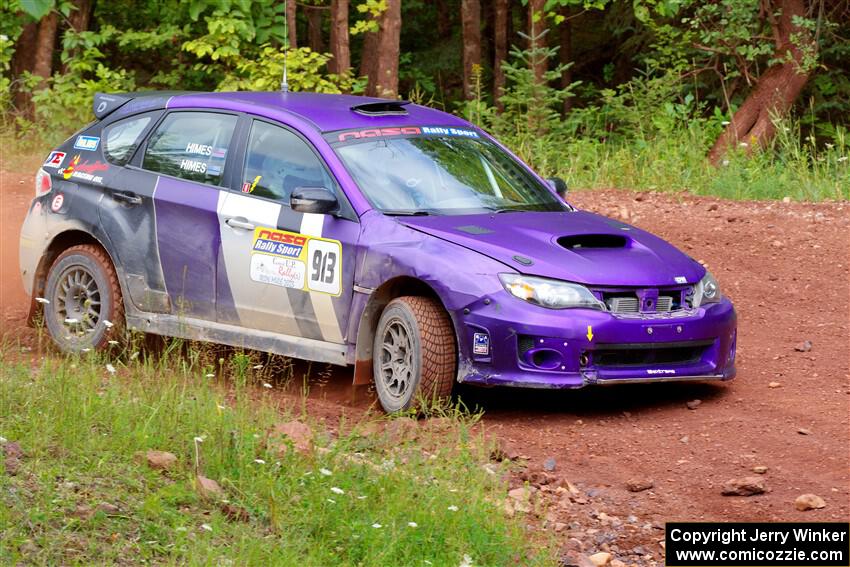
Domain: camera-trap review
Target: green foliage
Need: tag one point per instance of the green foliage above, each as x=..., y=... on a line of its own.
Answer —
x=350, y=501
x=371, y=8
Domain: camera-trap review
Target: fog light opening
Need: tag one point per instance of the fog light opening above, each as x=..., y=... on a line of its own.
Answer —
x=546, y=359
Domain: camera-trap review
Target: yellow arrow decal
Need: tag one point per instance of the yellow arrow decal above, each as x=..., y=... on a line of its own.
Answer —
x=589, y=333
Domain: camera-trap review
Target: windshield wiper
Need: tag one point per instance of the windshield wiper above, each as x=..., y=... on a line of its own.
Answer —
x=402, y=213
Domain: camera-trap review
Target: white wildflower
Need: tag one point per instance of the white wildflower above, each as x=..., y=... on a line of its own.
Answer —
x=258, y=367
x=181, y=529
x=210, y=375
x=43, y=301
x=453, y=508
x=71, y=321
x=725, y=123
x=199, y=439
x=412, y=524
x=85, y=350
x=107, y=323
x=337, y=490
x=206, y=527
x=3, y=440
x=259, y=461
x=842, y=158
x=110, y=369
x=467, y=561
x=266, y=385
x=221, y=407
x=134, y=356
x=376, y=525
x=744, y=144
x=331, y=500
x=113, y=343
x=325, y=472
x=361, y=497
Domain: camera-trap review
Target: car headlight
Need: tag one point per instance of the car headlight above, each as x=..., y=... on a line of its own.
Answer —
x=552, y=294
x=706, y=291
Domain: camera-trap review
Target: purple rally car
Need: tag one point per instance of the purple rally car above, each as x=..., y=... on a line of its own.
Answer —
x=352, y=230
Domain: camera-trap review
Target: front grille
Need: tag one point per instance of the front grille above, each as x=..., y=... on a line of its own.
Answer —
x=623, y=304
x=648, y=354
x=644, y=302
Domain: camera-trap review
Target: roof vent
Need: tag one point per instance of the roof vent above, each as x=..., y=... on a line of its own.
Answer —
x=382, y=108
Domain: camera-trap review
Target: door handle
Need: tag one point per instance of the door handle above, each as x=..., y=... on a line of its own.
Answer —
x=239, y=222
x=128, y=198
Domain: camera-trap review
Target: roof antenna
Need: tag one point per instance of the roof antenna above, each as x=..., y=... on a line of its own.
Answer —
x=284, y=84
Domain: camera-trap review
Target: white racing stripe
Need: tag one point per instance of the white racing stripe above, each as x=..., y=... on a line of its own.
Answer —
x=323, y=306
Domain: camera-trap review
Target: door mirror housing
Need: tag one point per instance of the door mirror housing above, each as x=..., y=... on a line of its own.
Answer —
x=559, y=185
x=318, y=200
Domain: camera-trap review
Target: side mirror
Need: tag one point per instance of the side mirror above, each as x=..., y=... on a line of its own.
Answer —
x=313, y=200
x=559, y=185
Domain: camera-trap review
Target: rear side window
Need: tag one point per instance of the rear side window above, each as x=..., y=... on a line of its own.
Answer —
x=278, y=161
x=191, y=145
x=121, y=138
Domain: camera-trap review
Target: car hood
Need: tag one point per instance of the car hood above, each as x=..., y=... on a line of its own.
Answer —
x=575, y=246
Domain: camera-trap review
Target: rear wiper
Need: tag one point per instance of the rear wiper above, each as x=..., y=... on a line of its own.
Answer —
x=403, y=213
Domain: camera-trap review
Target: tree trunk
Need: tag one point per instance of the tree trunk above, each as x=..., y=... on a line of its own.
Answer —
x=23, y=61
x=291, y=24
x=81, y=15
x=500, y=49
x=45, y=43
x=314, y=30
x=444, y=20
x=470, y=14
x=775, y=91
x=386, y=62
x=369, y=58
x=341, y=62
x=537, y=39
x=565, y=55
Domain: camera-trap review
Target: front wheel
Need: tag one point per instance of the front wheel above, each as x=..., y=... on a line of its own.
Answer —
x=85, y=308
x=414, y=355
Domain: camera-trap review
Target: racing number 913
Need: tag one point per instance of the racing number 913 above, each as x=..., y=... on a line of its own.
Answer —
x=324, y=258
x=324, y=265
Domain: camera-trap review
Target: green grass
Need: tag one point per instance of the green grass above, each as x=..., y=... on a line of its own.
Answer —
x=83, y=429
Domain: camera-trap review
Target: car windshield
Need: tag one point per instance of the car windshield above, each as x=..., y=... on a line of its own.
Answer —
x=442, y=175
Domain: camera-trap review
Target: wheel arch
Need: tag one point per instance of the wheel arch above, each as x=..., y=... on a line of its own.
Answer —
x=61, y=242
x=368, y=324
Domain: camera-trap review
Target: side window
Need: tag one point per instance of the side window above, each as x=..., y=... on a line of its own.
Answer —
x=278, y=161
x=121, y=138
x=191, y=145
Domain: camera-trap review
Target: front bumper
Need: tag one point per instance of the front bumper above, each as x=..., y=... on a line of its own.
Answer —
x=534, y=347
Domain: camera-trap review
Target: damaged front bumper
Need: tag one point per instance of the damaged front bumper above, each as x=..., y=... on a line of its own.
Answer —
x=532, y=347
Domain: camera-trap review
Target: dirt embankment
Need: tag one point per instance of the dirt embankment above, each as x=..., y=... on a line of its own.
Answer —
x=785, y=265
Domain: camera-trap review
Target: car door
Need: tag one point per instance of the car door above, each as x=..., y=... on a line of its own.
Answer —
x=126, y=211
x=288, y=272
x=188, y=151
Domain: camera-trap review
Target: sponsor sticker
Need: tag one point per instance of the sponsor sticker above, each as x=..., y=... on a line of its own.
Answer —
x=192, y=165
x=55, y=159
x=296, y=261
x=283, y=272
x=481, y=344
x=86, y=171
x=198, y=149
x=656, y=371
x=366, y=133
x=249, y=186
x=680, y=279
x=57, y=203
x=87, y=143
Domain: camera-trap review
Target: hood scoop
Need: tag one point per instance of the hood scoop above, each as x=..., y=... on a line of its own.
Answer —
x=584, y=241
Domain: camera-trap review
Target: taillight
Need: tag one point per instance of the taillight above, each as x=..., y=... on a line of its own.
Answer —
x=43, y=183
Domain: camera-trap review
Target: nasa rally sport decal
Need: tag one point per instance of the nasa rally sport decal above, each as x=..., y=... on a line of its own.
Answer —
x=87, y=143
x=296, y=261
x=57, y=203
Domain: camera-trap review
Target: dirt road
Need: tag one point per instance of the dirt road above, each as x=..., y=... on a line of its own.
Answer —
x=785, y=266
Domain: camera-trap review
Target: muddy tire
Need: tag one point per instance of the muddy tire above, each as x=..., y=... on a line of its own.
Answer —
x=86, y=309
x=414, y=354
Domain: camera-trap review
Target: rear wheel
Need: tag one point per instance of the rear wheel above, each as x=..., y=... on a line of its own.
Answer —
x=86, y=308
x=414, y=355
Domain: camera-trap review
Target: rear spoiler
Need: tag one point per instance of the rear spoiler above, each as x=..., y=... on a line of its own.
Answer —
x=105, y=104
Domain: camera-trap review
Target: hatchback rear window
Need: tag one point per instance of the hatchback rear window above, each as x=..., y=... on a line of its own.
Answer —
x=191, y=145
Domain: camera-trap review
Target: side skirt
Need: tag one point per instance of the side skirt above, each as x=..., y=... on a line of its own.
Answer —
x=240, y=337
